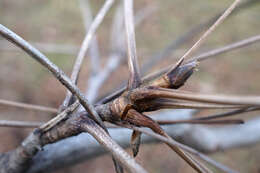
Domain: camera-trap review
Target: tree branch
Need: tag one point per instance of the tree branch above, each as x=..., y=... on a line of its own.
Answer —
x=205, y=139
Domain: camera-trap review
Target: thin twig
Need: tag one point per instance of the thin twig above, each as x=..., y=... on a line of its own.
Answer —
x=58, y=73
x=61, y=116
x=134, y=78
x=211, y=29
x=230, y=47
x=27, y=106
x=85, y=45
x=114, y=60
x=173, y=104
x=93, y=48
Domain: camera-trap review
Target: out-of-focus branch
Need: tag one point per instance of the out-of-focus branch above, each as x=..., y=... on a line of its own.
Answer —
x=230, y=47
x=19, y=124
x=27, y=106
x=85, y=45
x=93, y=48
x=114, y=59
x=44, y=47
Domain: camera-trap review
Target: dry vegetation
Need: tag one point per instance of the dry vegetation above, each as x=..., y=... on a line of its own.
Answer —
x=58, y=29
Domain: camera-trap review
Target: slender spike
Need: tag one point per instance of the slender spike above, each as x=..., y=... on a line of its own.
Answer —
x=211, y=29
x=135, y=78
x=216, y=99
x=172, y=104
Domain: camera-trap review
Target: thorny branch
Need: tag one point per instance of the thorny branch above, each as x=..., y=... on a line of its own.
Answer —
x=127, y=108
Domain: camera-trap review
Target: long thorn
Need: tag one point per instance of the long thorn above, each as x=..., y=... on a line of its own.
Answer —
x=135, y=78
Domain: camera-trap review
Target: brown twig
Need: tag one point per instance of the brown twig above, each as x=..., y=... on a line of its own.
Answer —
x=215, y=99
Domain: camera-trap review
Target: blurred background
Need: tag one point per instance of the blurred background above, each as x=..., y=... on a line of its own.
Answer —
x=57, y=29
